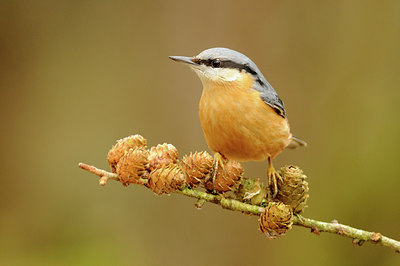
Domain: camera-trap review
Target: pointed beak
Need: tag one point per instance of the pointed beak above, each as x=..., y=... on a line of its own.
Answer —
x=184, y=59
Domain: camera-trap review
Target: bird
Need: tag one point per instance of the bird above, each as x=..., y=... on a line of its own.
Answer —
x=241, y=115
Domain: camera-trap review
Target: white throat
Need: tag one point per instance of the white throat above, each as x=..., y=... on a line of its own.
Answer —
x=219, y=75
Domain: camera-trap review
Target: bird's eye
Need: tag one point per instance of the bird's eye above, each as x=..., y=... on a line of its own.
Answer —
x=216, y=63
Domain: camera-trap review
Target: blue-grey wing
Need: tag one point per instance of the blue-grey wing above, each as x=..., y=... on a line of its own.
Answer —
x=269, y=96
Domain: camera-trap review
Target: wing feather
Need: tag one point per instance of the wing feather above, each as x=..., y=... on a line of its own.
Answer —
x=269, y=96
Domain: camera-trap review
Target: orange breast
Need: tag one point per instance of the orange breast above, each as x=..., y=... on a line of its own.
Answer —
x=238, y=124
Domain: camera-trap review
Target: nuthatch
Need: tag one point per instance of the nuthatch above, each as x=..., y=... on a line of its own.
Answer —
x=241, y=115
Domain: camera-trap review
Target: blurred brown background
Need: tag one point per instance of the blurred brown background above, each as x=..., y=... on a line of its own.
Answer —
x=77, y=75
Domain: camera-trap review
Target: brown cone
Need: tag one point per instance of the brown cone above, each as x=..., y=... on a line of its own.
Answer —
x=122, y=146
x=293, y=188
x=276, y=220
x=196, y=167
x=226, y=178
x=131, y=168
x=166, y=179
x=162, y=154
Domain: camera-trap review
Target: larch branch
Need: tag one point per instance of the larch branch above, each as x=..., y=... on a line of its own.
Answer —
x=359, y=236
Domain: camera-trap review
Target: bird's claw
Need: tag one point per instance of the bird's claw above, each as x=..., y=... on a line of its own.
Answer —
x=273, y=177
x=217, y=165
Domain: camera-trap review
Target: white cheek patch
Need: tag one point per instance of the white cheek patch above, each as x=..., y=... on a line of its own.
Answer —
x=228, y=74
x=217, y=74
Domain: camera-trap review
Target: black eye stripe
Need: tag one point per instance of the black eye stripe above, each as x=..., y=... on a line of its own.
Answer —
x=227, y=64
x=206, y=62
x=245, y=67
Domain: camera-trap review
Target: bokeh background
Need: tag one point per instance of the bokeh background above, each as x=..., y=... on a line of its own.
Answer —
x=77, y=75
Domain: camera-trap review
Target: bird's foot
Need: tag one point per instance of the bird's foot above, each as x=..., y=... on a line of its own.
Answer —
x=273, y=177
x=217, y=165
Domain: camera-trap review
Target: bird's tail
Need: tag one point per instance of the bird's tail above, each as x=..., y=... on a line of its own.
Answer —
x=296, y=142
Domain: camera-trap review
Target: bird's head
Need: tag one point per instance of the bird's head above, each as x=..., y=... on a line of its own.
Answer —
x=221, y=65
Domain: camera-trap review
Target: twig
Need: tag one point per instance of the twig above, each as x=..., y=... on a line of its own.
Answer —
x=230, y=204
x=359, y=236
x=104, y=175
